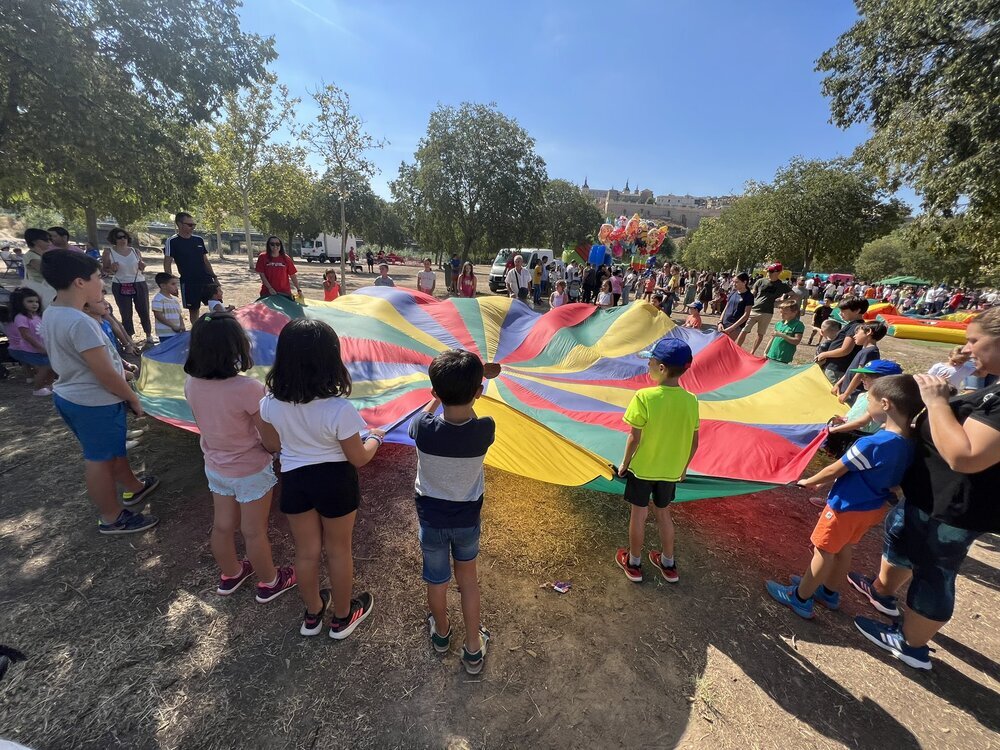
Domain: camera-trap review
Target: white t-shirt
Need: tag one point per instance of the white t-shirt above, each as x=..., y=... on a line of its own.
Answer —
x=605, y=299
x=128, y=267
x=425, y=281
x=215, y=305
x=311, y=433
x=170, y=309
x=68, y=333
x=517, y=280
x=954, y=375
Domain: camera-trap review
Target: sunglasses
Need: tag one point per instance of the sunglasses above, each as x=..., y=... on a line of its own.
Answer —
x=189, y=224
x=122, y=237
x=274, y=244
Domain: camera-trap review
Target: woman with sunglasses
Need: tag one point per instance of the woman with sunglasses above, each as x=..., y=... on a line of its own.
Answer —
x=277, y=272
x=128, y=284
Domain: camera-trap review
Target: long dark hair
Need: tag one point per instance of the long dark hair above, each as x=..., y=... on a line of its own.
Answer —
x=307, y=364
x=17, y=298
x=219, y=348
x=267, y=245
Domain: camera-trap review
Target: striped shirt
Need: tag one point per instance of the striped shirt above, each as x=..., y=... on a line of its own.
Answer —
x=875, y=464
x=450, y=483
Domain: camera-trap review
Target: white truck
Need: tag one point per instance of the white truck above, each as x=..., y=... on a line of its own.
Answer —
x=326, y=247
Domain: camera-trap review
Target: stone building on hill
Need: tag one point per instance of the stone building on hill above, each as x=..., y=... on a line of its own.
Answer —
x=682, y=210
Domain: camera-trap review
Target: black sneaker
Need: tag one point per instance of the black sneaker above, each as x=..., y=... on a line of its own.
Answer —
x=360, y=609
x=149, y=485
x=128, y=523
x=312, y=623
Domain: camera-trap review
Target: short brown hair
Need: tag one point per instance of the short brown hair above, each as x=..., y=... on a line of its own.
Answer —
x=901, y=391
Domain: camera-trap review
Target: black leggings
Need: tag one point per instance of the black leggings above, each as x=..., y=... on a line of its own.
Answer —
x=125, y=302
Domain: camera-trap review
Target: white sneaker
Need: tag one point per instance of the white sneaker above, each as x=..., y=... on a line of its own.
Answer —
x=42, y=392
x=131, y=444
x=134, y=434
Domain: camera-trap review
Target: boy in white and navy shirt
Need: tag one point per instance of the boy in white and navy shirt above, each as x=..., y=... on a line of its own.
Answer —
x=449, y=495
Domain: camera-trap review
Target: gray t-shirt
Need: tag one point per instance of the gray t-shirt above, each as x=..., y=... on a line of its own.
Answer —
x=384, y=281
x=68, y=333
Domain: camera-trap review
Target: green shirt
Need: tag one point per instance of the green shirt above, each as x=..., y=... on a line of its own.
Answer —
x=780, y=349
x=668, y=418
x=859, y=409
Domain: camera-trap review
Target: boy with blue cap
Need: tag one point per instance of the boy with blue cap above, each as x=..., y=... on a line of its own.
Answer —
x=662, y=440
x=843, y=431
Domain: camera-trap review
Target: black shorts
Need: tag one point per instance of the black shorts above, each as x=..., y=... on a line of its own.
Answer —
x=638, y=491
x=330, y=489
x=191, y=292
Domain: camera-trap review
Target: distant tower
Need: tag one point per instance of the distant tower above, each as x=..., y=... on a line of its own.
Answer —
x=626, y=190
x=585, y=185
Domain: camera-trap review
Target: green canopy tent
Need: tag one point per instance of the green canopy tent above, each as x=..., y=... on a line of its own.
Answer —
x=904, y=280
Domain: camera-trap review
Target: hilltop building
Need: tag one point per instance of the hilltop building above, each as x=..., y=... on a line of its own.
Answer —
x=683, y=210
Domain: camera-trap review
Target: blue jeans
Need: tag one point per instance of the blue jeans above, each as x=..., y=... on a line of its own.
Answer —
x=439, y=546
x=934, y=551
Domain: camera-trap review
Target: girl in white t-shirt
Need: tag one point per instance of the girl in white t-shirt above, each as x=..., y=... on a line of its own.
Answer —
x=605, y=298
x=559, y=297
x=323, y=441
x=226, y=407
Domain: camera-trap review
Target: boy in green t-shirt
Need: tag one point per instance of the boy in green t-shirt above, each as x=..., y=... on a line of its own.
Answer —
x=787, y=333
x=659, y=448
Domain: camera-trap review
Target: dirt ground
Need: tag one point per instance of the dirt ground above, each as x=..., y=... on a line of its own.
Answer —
x=127, y=645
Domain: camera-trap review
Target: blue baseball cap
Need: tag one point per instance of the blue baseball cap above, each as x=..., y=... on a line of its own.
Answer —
x=695, y=305
x=880, y=367
x=671, y=352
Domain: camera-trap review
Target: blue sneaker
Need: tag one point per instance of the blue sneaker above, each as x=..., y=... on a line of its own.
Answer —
x=890, y=638
x=884, y=604
x=831, y=601
x=786, y=595
x=127, y=523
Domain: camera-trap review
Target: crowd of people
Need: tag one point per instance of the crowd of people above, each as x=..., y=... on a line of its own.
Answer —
x=920, y=454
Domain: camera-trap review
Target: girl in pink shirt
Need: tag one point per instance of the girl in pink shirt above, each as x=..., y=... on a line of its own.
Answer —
x=226, y=408
x=25, y=341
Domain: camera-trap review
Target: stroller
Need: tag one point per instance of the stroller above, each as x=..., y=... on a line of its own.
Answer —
x=5, y=317
x=574, y=290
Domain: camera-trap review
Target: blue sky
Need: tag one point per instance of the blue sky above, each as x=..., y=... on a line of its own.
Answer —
x=679, y=97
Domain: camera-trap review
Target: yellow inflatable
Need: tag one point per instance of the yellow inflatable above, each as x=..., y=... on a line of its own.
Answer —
x=928, y=333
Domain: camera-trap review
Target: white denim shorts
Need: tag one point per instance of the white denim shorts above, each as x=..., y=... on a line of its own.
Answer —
x=244, y=489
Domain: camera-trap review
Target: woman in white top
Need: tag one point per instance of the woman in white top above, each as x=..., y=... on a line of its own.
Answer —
x=124, y=263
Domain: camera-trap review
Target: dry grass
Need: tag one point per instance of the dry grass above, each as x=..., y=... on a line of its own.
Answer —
x=129, y=647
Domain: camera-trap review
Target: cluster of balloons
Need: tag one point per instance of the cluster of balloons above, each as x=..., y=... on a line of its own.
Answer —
x=634, y=236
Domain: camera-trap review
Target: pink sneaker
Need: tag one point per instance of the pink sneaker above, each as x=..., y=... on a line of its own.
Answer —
x=228, y=585
x=285, y=582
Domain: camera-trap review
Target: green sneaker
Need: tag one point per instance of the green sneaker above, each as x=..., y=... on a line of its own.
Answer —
x=473, y=662
x=441, y=643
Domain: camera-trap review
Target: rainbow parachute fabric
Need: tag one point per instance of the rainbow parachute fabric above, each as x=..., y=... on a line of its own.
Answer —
x=567, y=376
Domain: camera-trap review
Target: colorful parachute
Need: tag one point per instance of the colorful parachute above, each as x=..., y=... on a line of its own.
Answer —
x=567, y=376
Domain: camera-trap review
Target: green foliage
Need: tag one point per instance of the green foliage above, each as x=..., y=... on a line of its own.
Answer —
x=289, y=199
x=476, y=182
x=338, y=135
x=569, y=216
x=814, y=212
x=922, y=76
x=96, y=99
x=884, y=257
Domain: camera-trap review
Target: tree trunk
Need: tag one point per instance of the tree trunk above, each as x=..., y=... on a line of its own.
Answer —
x=246, y=232
x=91, y=218
x=343, y=246
x=218, y=240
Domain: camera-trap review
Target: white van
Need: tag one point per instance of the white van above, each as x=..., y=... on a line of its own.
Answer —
x=326, y=247
x=531, y=255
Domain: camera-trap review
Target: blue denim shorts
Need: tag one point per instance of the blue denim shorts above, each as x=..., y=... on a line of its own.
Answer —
x=34, y=359
x=100, y=429
x=441, y=545
x=934, y=551
x=244, y=489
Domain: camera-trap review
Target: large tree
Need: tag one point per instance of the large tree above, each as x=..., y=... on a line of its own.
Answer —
x=244, y=142
x=338, y=135
x=290, y=198
x=96, y=97
x=922, y=76
x=475, y=178
x=569, y=216
x=736, y=239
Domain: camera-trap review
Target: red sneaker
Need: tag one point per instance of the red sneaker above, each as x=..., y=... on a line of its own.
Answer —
x=228, y=585
x=285, y=582
x=632, y=572
x=669, y=574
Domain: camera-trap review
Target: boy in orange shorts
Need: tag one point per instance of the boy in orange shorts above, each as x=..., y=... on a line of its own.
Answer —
x=864, y=483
